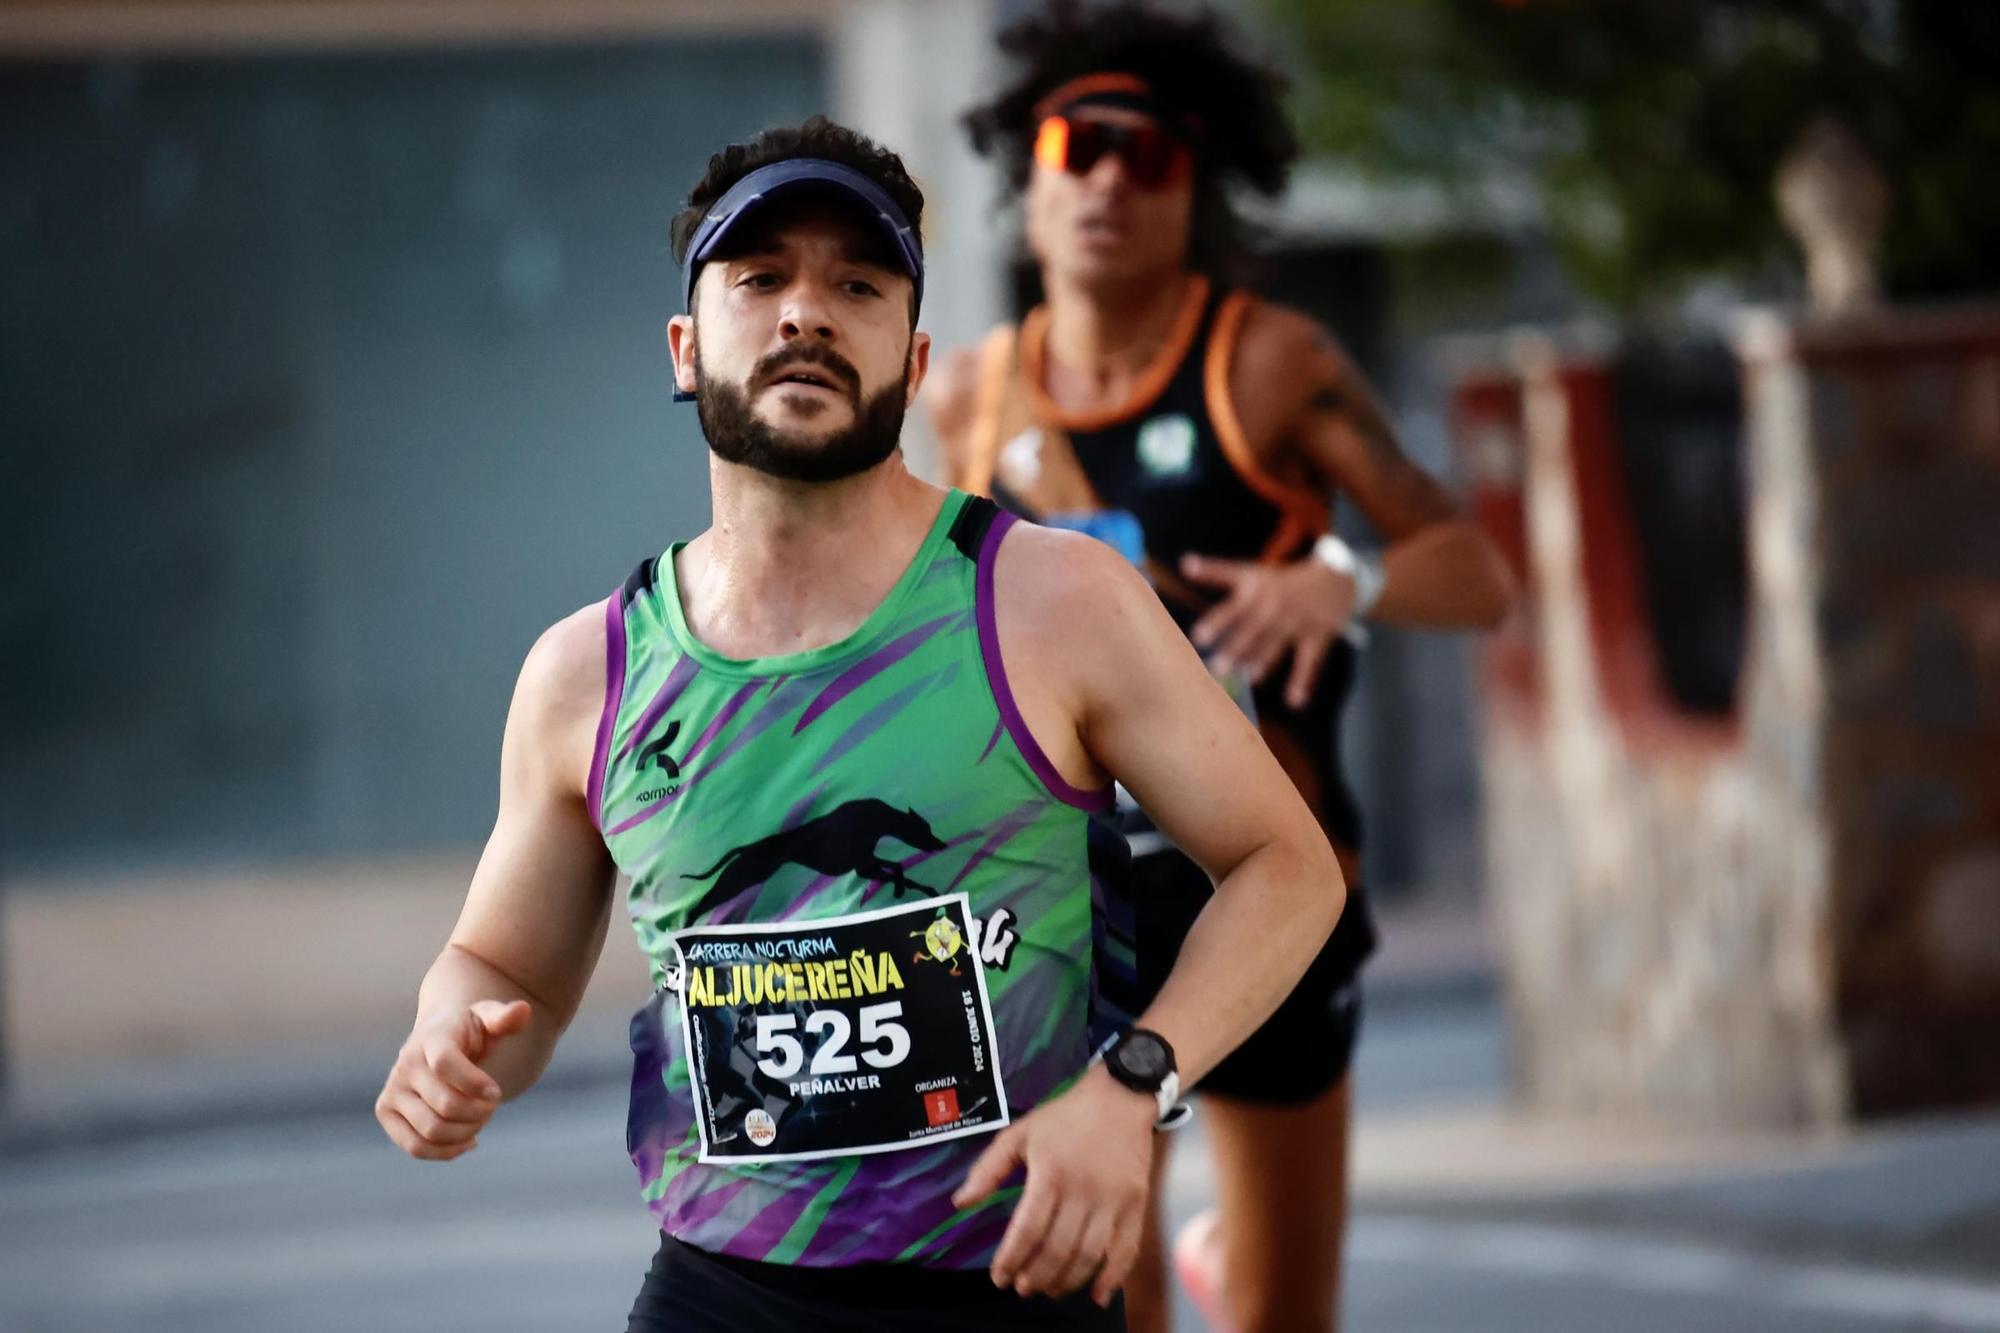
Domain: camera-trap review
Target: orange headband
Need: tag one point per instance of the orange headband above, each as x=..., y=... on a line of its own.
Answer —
x=1090, y=85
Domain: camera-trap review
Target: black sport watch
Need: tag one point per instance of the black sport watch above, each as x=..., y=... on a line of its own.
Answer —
x=1143, y=1062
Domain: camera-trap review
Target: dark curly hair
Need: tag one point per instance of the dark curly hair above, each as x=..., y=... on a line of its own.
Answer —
x=1235, y=104
x=818, y=137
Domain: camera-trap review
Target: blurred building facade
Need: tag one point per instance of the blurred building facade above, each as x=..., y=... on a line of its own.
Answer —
x=1745, y=862
x=337, y=334
x=335, y=369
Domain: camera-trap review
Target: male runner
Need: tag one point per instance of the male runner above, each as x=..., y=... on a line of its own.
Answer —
x=1203, y=431
x=845, y=743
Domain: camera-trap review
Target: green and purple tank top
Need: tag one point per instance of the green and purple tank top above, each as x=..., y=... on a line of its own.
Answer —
x=888, y=770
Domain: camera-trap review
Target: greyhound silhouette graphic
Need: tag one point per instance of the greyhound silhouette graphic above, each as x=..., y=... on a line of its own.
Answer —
x=842, y=841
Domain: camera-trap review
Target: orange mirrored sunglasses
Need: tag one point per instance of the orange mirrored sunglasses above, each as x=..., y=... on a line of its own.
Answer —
x=1152, y=156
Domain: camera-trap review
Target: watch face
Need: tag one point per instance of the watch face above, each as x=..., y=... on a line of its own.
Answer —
x=1144, y=1057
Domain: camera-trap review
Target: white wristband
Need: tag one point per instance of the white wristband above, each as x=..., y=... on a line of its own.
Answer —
x=1362, y=568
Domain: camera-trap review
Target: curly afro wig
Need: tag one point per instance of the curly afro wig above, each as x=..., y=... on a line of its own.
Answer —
x=1234, y=105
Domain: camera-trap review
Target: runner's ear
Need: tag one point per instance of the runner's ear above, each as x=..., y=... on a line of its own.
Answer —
x=916, y=366
x=681, y=347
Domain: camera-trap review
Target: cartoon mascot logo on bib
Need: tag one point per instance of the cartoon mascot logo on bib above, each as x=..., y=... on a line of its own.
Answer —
x=942, y=942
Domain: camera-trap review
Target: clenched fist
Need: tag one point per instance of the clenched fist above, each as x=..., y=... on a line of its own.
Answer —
x=438, y=1098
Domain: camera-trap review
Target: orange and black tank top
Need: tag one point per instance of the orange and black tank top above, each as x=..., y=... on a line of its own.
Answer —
x=1166, y=473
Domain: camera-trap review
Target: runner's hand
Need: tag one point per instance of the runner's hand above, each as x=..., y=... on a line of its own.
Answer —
x=1271, y=610
x=1089, y=1157
x=437, y=1098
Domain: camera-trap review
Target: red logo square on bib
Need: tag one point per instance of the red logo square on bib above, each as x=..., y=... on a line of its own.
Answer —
x=941, y=1107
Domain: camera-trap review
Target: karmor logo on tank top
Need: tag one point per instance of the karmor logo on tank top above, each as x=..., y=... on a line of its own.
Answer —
x=654, y=756
x=1166, y=446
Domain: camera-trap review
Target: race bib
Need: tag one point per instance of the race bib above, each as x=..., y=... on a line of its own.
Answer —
x=848, y=1035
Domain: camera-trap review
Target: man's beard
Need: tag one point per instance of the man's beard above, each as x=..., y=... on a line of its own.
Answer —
x=737, y=435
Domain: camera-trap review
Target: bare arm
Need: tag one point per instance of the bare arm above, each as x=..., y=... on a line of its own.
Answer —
x=510, y=979
x=1313, y=420
x=1442, y=571
x=1148, y=713
x=1110, y=688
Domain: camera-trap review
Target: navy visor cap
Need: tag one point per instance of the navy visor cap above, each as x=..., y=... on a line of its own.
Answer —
x=802, y=175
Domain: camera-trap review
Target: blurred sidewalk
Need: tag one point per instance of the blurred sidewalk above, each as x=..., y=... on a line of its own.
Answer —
x=137, y=1007
x=1923, y=1192
x=222, y=1033
x=1893, y=1223
x=1461, y=1207
x=1484, y=1217
x=174, y=1002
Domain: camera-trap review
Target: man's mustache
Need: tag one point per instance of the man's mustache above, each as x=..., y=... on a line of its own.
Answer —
x=794, y=359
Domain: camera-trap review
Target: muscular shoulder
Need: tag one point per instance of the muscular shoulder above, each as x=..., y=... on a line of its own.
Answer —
x=1076, y=604
x=1284, y=333
x=1284, y=360
x=559, y=698
x=565, y=671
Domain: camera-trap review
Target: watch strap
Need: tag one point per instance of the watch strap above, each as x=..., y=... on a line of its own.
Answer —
x=1363, y=568
x=1170, y=1112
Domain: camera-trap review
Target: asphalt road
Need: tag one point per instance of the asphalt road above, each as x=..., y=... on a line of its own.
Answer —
x=314, y=1225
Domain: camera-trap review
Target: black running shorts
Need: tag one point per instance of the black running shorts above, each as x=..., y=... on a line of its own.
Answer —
x=692, y=1291
x=1303, y=1049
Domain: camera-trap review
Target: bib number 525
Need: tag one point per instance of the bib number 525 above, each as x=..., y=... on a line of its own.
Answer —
x=885, y=1043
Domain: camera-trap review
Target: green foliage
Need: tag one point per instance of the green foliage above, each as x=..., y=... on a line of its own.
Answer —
x=1655, y=126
